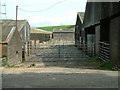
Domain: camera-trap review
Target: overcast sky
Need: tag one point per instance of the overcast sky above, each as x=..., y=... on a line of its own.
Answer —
x=62, y=12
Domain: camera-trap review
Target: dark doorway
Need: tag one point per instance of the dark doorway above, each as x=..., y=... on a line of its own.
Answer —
x=23, y=55
x=105, y=30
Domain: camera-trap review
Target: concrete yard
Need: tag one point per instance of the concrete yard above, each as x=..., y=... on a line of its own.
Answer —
x=58, y=72
x=51, y=77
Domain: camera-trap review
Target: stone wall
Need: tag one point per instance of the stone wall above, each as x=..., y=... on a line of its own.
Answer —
x=14, y=49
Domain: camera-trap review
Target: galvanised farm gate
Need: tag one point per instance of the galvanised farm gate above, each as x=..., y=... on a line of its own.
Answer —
x=59, y=50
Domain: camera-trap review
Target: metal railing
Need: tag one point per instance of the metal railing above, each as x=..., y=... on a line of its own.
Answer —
x=104, y=53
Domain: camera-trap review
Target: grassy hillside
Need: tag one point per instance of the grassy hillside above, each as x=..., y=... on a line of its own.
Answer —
x=50, y=28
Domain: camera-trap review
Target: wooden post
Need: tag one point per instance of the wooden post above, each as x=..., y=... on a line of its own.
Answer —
x=35, y=43
x=16, y=15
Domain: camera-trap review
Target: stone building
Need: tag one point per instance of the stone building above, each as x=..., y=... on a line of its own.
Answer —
x=14, y=44
x=64, y=35
x=101, y=27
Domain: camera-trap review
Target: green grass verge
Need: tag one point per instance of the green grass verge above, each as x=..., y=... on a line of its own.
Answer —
x=50, y=28
x=105, y=65
x=109, y=66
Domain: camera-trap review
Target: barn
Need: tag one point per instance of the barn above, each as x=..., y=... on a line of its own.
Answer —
x=64, y=35
x=78, y=28
x=14, y=45
x=101, y=27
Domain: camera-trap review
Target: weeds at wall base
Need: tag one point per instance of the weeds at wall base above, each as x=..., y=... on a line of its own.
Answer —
x=104, y=65
x=94, y=59
x=5, y=62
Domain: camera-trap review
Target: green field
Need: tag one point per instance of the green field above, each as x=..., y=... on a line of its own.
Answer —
x=50, y=28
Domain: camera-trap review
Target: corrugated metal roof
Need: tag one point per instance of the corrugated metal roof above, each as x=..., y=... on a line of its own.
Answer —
x=39, y=31
x=5, y=32
x=7, y=26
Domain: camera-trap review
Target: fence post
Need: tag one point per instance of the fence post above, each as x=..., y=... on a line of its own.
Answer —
x=59, y=47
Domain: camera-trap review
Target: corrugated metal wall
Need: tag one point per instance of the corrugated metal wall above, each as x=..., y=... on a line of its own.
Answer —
x=95, y=11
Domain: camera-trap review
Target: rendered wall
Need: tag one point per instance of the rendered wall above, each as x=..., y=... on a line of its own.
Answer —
x=65, y=36
x=115, y=41
x=97, y=39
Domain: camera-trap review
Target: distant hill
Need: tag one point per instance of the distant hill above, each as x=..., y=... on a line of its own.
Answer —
x=51, y=28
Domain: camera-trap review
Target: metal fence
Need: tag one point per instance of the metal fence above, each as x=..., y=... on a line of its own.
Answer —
x=104, y=51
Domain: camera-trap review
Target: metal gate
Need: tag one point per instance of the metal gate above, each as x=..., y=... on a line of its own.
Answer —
x=59, y=50
x=104, y=51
